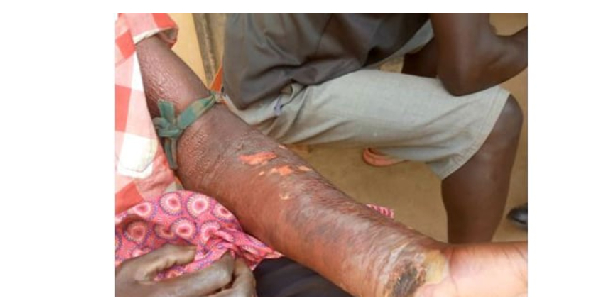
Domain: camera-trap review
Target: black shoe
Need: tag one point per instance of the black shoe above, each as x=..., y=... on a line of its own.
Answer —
x=518, y=216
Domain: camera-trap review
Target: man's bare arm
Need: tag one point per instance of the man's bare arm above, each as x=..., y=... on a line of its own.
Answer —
x=471, y=56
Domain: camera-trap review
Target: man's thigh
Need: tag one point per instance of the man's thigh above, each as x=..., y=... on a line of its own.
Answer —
x=413, y=117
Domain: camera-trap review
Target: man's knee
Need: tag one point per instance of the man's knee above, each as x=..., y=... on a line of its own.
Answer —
x=509, y=123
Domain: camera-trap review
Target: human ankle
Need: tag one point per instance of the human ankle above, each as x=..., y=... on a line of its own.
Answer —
x=436, y=263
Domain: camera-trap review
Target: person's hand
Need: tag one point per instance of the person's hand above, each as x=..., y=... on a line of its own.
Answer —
x=243, y=282
x=225, y=277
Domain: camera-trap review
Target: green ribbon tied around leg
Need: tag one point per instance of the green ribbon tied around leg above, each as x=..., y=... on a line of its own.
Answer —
x=170, y=127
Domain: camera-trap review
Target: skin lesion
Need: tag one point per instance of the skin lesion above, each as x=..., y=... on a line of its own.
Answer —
x=259, y=158
x=409, y=281
x=436, y=267
x=283, y=170
x=419, y=269
x=436, y=273
x=304, y=168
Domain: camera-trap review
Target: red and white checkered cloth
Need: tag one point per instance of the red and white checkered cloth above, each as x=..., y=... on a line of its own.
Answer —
x=141, y=167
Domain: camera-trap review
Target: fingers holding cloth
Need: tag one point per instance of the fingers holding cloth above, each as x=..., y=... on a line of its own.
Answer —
x=225, y=277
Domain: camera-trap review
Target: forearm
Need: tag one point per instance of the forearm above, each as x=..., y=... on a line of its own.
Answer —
x=506, y=60
x=472, y=57
x=498, y=59
x=281, y=200
x=509, y=59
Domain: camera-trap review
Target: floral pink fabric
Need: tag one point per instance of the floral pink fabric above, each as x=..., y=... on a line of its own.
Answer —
x=184, y=218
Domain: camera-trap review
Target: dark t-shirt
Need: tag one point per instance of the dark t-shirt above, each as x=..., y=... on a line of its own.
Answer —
x=266, y=52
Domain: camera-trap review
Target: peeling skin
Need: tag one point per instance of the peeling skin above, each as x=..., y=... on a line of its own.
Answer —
x=304, y=168
x=261, y=173
x=285, y=197
x=437, y=267
x=283, y=171
x=258, y=158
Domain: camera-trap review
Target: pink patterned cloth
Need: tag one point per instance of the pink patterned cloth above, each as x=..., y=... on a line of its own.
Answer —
x=182, y=218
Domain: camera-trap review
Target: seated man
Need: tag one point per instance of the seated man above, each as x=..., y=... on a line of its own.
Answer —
x=281, y=200
x=309, y=79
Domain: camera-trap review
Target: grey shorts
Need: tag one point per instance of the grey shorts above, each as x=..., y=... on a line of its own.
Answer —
x=405, y=116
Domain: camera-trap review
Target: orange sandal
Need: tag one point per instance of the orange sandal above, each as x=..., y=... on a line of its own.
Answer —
x=378, y=160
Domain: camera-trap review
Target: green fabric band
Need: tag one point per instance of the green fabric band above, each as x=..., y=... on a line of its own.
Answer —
x=170, y=127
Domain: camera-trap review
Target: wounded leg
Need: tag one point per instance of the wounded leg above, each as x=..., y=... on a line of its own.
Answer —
x=281, y=200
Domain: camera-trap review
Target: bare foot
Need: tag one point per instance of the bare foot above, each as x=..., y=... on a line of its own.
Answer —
x=491, y=269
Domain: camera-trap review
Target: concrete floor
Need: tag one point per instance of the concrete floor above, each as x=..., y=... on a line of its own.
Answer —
x=410, y=188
